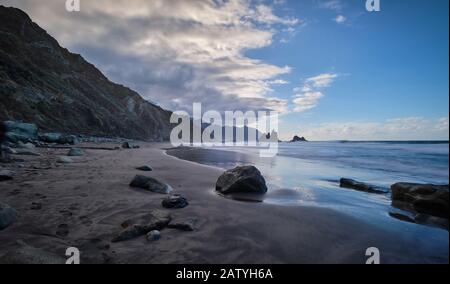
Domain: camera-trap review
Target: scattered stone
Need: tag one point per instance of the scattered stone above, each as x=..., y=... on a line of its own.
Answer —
x=154, y=235
x=360, y=186
x=423, y=198
x=64, y=160
x=187, y=225
x=25, y=254
x=128, y=145
x=150, y=184
x=36, y=206
x=175, y=201
x=246, y=179
x=6, y=175
x=8, y=216
x=75, y=152
x=144, y=169
x=156, y=220
x=18, y=131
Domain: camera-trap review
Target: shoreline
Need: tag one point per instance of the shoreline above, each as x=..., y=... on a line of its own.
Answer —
x=92, y=197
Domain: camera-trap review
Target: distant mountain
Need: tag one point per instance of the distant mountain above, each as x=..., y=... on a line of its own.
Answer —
x=43, y=83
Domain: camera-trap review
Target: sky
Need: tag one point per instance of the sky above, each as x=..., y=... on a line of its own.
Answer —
x=331, y=69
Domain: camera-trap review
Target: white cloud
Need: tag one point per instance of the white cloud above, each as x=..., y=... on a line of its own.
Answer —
x=340, y=19
x=307, y=96
x=335, y=5
x=409, y=128
x=174, y=52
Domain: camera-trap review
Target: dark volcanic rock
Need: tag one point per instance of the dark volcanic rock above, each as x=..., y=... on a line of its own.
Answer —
x=44, y=83
x=150, y=184
x=174, y=202
x=423, y=198
x=299, y=139
x=156, y=220
x=18, y=131
x=145, y=169
x=246, y=179
x=361, y=186
x=6, y=175
x=128, y=145
x=8, y=215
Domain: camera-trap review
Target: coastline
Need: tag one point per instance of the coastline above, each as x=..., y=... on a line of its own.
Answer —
x=92, y=197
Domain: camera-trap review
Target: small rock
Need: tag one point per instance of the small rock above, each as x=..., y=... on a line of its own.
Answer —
x=28, y=145
x=8, y=216
x=36, y=206
x=246, y=179
x=144, y=169
x=128, y=145
x=175, y=201
x=75, y=152
x=156, y=220
x=154, y=235
x=6, y=175
x=64, y=160
x=360, y=186
x=150, y=184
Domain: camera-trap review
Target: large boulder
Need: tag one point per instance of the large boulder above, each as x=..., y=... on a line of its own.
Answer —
x=246, y=179
x=424, y=198
x=361, y=186
x=150, y=184
x=18, y=131
x=8, y=215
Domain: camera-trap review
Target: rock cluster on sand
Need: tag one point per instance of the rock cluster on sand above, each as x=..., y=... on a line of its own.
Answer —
x=156, y=220
x=423, y=198
x=18, y=131
x=245, y=179
x=8, y=215
x=174, y=201
x=58, y=138
x=361, y=186
x=150, y=184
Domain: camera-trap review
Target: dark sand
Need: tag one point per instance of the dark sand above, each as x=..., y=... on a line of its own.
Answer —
x=92, y=197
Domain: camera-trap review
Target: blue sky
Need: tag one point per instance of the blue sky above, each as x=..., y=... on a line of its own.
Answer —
x=390, y=64
x=331, y=69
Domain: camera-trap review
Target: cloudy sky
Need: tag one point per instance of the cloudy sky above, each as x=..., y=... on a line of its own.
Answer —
x=330, y=68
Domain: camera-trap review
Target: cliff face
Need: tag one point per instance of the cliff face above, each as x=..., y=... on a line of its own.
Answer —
x=43, y=83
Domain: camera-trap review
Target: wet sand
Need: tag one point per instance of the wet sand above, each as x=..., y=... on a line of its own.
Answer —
x=91, y=198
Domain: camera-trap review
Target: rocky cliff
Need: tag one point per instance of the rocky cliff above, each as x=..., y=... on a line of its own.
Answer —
x=43, y=83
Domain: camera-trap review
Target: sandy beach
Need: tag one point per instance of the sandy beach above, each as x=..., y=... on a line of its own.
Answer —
x=83, y=205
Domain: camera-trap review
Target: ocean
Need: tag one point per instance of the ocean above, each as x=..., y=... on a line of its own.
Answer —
x=308, y=173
